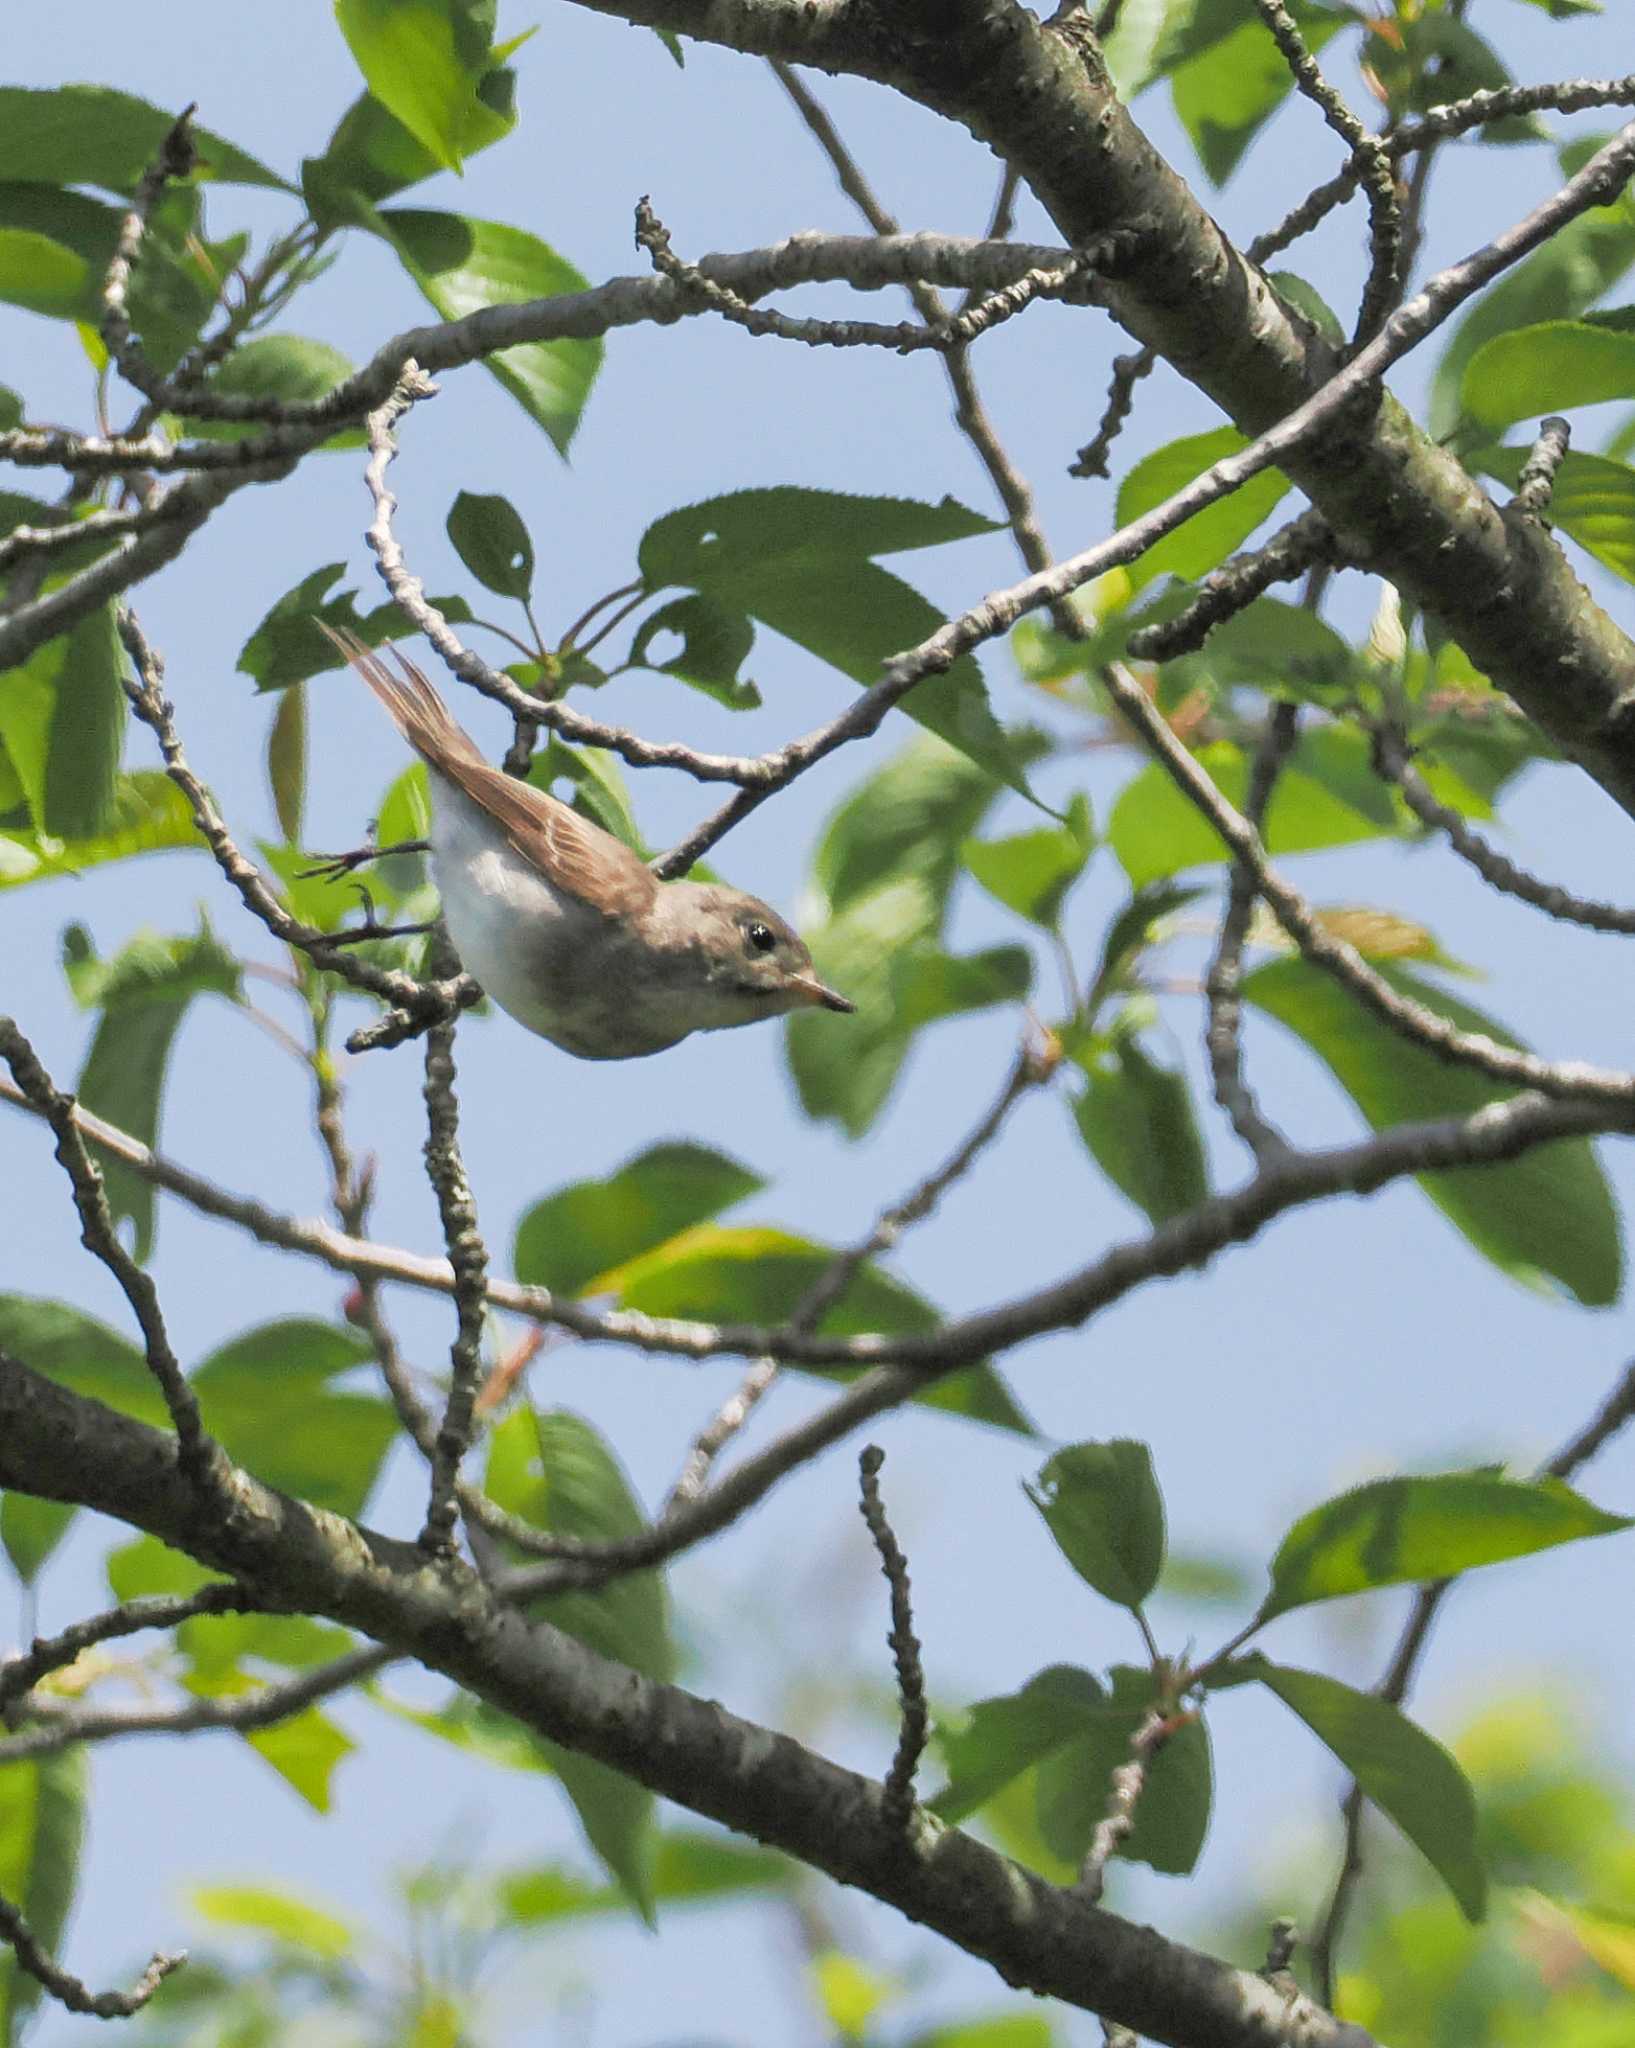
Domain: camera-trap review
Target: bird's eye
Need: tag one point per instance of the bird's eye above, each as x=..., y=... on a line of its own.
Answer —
x=758, y=938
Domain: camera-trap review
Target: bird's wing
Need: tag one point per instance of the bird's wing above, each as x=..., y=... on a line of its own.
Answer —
x=569, y=851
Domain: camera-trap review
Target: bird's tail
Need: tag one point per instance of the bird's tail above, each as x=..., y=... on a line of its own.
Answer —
x=414, y=707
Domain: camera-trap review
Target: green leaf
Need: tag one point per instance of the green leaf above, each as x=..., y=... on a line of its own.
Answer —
x=304, y=1751
x=81, y=1354
x=1032, y=872
x=1002, y=2030
x=801, y=562
x=490, y=538
x=1557, y=282
x=62, y=720
x=755, y=1273
x=372, y=155
x=92, y=135
x=1283, y=648
x=143, y=992
x=1548, y=1219
x=1101, y=1503
x=929, y=985
x=287, y=760
x=286, y=368
x=1074, y=1783
x=291, y=1922
x=998, y=1739
x=908, y=818
x=420, y=62
x=1134, y=928
x=149, y=815
x=462, y=265
x=1227, y=92
x=1395, y=1532
x=42, y=1828
x=1136, y=1120
x=568, y=1238
x=31, y=1529
x=689, y=1868
x=1156, y=831
x=715, y=644
x=1205, y=540
x=556, y=1472
x=287, y=647
x=267, y=1395
x=1550, y=367
x=1410, y=1777
x=1593, y=499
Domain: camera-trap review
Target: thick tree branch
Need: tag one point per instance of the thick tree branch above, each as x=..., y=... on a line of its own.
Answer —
x=749, y=1778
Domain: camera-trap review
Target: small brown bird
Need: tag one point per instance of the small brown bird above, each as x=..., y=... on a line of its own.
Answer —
x=563, y=925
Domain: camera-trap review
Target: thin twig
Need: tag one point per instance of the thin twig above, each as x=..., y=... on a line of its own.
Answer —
x=1126, y=1786
x=70, y=1991
x=1223, y=1033
x=1395, y=762
x=1416, y=1021
x=19, y=1673
x=468, y=1257
x=914, y=1721
x=1235, y=585
x=201, y=1457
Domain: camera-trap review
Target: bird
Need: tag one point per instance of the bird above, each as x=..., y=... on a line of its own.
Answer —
x=567, y=929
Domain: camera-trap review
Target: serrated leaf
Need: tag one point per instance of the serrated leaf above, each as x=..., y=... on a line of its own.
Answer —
x=1156, y=831
x=462, y=265
x=1172, y=1818
x=1032, y=872
x=1406, y=1531
x=569, y=1237
x=149, y=815
x=1409, y=1776
x=287, y=646
x=81, y=1354
x=1101, y=1503
x=421, y=62
x=802, y=562
x=371, y=155
x=1593, y=499
x=996, y=1740
x=92, y=135
x=1205, y=540
x=267, y=1395
x=715, y=644
x=756, y=1273
x=491, y=539
x=1550, y=367
x=1136, y=1120
x=1548, y=1219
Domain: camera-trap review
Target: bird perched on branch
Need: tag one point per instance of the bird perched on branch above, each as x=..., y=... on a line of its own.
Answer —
x=563, y=925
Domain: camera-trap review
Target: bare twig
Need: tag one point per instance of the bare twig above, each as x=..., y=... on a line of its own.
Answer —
x=1128, y=371
x=1369, y=154
x=1128, y=1782
x=201, y=1456
x=1538, y=472
x=18, y=1674
x=1395, y=763
x=468, y=1257
x=1235, y=585
x=915, y=1721
x=70, y=1991
x=1223, y=1034
x=1416, y=1021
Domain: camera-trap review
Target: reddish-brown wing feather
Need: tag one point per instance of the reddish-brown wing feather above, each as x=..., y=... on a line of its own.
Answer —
x=569, y=851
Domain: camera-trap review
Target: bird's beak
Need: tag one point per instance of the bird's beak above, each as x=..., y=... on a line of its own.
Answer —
x=812, y=991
